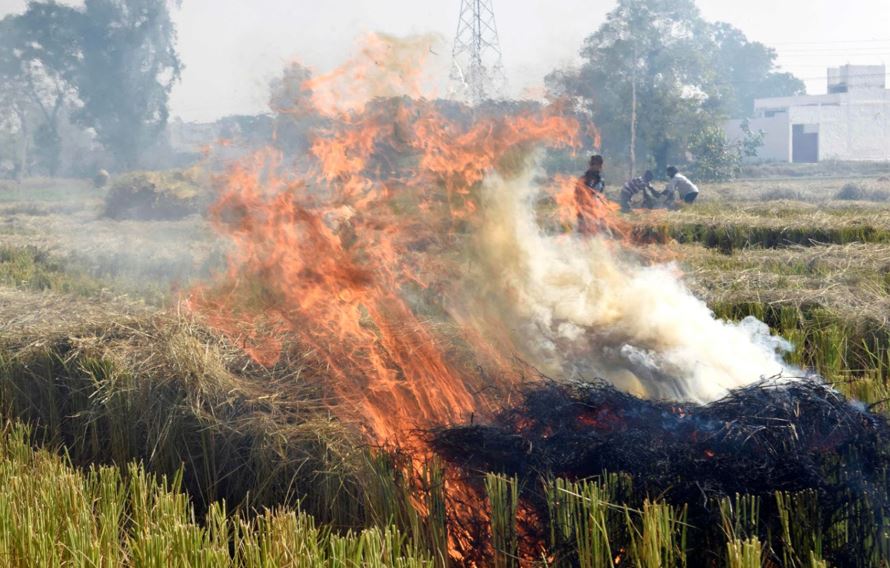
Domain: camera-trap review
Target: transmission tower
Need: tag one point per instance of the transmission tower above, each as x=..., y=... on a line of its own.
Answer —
x=477, y=68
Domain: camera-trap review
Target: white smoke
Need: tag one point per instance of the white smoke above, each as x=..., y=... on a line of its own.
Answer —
x=584, y=306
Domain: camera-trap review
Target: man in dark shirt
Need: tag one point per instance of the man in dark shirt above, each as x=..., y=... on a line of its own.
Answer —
x=589, y=188
x=593, y=177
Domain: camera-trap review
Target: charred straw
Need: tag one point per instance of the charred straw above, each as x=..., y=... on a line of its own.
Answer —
x=804, y=459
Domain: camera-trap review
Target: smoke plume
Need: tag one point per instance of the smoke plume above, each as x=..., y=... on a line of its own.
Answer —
x=587, y=306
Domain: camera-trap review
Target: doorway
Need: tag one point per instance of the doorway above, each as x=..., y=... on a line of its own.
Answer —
x=805, y=143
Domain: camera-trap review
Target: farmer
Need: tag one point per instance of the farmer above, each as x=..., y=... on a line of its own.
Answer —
x=593, y=177
x=679, y=186
x=589, y=188
x=642, y=184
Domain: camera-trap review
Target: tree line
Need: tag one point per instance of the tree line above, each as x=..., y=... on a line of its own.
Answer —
x=89, y=79
x=656, y=79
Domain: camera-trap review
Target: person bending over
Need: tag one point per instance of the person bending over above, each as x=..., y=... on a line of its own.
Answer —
x=643, y=185
x=679, y=186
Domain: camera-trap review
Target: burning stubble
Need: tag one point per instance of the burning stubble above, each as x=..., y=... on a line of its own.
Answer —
x=405, y=258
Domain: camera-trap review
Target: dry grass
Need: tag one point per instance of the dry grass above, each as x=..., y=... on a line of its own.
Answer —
x=25, y=313
x=52, y=514
x=113, y=381
x=807, y=190
x=731, y=227
x=157, y=195
x=141, y=258
x=852, y=280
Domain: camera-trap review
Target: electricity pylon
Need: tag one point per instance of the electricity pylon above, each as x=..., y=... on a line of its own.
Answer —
x=476, y=66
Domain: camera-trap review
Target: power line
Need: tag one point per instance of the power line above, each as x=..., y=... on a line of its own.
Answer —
x=829, y=52
x=829, y=42
x=820, y=78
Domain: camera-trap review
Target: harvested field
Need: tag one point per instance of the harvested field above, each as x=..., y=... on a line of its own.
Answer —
x=83, y=346
x=728, y=226
x=83, y=372
x=63, y=225
x=851, y=280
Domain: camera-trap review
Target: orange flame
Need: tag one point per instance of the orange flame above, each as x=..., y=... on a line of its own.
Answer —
x=351, y=257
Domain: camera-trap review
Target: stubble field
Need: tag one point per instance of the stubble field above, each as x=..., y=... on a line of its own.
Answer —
x=99, y=358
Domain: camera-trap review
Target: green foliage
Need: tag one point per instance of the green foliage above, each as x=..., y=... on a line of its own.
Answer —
x=503, y=500
x=801, y=527
x=651, y=47
x=31, y=268
x=128, y=68
x=110, y=65
x=740, y=516
x=688, y=75
x=746, y=553
x=716, y=158
x=658, y=540
x=582, y=519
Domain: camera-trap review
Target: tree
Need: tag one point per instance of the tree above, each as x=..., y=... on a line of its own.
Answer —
x=655, y=74
x=644, y=66
x=295, y=114
x=128, y=67
x=38, y=54
x=15, y=119
x=746, y=70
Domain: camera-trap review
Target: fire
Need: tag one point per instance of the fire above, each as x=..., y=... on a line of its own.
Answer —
x=411, y=263
x=341, y=257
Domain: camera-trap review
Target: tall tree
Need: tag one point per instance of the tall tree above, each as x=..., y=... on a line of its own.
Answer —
x=655, y=74
x=746, y=70
x=38, y=55
x=129, y=65
x=291, y=103
x=645, y=78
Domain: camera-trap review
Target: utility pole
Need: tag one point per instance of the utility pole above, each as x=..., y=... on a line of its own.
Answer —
x=477, y=68
x=633, y=115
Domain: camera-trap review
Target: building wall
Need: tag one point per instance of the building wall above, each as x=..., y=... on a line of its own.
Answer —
x=776, y=136
x=856, y=128
x=852, y=126
x=851, y=77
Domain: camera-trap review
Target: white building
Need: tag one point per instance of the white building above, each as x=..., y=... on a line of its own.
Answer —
x=851, y=122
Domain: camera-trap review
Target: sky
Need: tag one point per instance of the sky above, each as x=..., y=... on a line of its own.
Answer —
x=233, y=48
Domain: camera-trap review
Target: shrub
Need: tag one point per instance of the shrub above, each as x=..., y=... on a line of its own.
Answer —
x=857, y=192
x=716, y=158
x=851, y=192
x=154, y=196
x=719, y=159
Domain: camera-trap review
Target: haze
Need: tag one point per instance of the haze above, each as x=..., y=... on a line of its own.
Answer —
x=232, y=48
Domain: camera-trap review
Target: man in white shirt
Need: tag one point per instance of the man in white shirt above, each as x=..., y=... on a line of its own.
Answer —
x=679, y=186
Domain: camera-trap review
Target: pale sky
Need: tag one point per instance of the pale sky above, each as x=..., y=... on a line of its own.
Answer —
x=233, y=48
